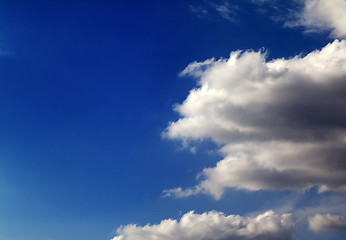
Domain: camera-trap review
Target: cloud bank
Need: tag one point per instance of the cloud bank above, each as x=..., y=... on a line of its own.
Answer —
x=214, y=226
x=325, y=222
x=280, y=124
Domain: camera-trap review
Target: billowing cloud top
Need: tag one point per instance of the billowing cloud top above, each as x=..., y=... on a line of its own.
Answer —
x=320, y=222
x=214, y=226
x=281, y=124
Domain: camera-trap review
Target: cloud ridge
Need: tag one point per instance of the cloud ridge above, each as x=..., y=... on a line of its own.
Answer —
x=214, y=226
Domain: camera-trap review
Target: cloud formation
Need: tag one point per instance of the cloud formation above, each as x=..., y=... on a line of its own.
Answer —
x=214, y=226
x=280, y=124
x=326, y=222
x=323, y=15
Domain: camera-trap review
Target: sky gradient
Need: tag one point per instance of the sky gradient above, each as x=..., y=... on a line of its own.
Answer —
x=132, y=120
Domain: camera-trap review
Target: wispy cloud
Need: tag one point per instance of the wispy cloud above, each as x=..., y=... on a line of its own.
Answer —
x=199, y=11
x=208, y=9
x=226, y=11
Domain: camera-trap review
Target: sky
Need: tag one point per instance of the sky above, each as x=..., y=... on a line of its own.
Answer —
x=184, y=120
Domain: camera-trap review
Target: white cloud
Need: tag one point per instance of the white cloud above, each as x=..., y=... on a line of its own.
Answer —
x=325, y=222
x=314, y=15
x=282, y=123
x=323, y=15
x=214, y=226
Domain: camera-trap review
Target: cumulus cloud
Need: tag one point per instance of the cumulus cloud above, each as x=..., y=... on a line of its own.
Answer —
x=325, y=222
x=214, y=226
x=325, y=15
x=281, y=124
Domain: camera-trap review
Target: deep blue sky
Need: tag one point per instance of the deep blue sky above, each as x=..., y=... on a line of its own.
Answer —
x=86, y=89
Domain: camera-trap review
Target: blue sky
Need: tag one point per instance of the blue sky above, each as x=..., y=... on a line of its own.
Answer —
x=101, y=126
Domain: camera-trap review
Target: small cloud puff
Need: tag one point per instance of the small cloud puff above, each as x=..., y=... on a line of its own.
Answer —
x=326, y=222
x=214, y=226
